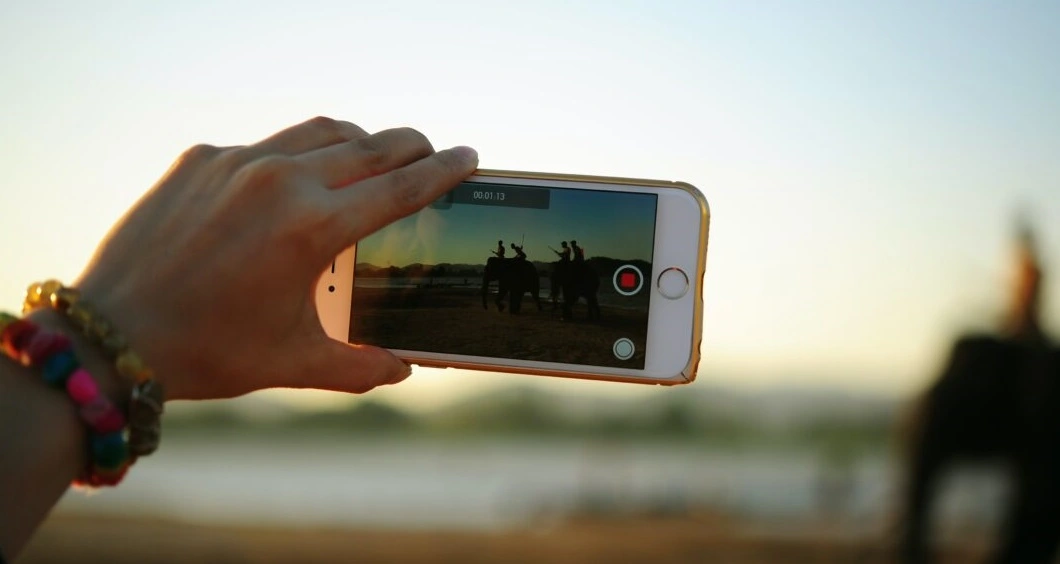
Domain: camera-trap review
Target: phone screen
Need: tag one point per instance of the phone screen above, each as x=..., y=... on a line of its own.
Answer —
x=512, y=272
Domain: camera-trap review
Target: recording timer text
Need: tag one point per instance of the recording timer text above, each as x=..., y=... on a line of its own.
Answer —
x=487, y=195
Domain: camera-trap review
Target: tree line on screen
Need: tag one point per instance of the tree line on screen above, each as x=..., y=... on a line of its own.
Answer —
x=604, y=266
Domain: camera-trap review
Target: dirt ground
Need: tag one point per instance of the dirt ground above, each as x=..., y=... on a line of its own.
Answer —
x=453, y=320
x=89, y=539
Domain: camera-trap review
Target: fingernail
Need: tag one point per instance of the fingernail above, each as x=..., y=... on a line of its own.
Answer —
x=405, y=372
x=466, y=152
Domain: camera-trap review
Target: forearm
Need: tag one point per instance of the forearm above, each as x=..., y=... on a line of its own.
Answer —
x=42, y=439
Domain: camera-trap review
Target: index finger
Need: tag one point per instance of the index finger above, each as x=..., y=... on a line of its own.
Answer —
x=370, y=204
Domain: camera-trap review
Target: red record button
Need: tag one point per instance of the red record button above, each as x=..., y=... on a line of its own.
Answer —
x=628, y=280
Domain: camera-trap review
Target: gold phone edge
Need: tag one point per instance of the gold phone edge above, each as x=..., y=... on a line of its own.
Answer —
x=688, y=374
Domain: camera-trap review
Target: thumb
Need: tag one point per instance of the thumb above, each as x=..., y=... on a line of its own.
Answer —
x=342, y=367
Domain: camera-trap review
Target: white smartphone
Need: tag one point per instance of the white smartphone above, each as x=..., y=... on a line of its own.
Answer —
x=549, y=274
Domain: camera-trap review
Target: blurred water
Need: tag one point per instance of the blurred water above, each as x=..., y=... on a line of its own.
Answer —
x=491, y=483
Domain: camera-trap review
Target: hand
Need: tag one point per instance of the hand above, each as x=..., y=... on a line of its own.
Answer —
x=211, y=274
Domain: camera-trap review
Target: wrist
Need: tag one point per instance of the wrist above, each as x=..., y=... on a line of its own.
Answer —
x=114, y=450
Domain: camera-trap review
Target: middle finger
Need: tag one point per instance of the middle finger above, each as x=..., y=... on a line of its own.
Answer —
x=308, y=136
x=343, y=164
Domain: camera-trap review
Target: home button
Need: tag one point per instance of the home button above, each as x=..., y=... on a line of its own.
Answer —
x=673, y=283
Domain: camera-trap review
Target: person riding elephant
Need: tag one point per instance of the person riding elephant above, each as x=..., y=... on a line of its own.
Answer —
x=579, y=252
x=556, y=290
x=513, y=275
x=564, y=255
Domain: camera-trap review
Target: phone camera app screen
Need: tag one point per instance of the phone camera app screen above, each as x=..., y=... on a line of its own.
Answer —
x=518, y=272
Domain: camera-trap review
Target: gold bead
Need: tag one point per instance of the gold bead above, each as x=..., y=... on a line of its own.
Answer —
x=80, y=315
x=49, y=288
x=132, y=367
x=63, y=298
x=114, y=344
x=32, y=300
x=99, y=329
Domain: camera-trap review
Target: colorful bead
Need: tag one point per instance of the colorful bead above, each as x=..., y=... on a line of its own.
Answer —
x=114, y=344
x=32, y=297
x=104, y=476
x=145, y=404
x=81, y=387
x=48, y=288
x=99, y=328
x=59, y=366
x=111, y=421
x=80, y=314
x=7, y=319
x=24, y=341
x=63, y=298
x=16, y=336
x=94, y=410
x=43, y=345
x=109, y=450
x=130, y=366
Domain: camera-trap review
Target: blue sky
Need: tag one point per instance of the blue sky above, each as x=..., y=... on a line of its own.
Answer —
x=863, y=161
x=465, y=233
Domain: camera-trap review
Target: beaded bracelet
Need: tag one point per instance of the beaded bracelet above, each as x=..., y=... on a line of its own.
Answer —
x=26, y=343
x=146, y=402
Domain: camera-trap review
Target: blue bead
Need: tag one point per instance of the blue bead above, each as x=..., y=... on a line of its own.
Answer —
x=109, y=450
x=59, y=366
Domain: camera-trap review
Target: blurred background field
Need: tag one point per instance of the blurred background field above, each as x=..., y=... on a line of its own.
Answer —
x=677, y=475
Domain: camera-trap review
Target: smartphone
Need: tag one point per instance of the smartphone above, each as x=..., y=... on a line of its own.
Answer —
x=549, y=274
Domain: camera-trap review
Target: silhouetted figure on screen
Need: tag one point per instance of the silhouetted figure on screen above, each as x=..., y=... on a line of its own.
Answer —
x=998, y=399
x=564, y=255
x=579, y=253
x=519, y=254
x=499, y=253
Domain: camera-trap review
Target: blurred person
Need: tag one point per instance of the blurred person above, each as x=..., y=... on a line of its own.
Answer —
x=1024, y=312
x=209, y=278
x=998, y=399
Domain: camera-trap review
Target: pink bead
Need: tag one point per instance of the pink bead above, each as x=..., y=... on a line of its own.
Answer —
x=109, y=422
x=42, y=345
x=95, y=410
x=81, y=387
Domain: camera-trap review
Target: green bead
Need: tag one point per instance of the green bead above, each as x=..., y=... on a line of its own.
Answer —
x=6, y=319
x=109, y=450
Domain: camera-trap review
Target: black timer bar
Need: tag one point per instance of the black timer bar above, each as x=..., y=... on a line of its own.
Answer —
x=480, y=194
